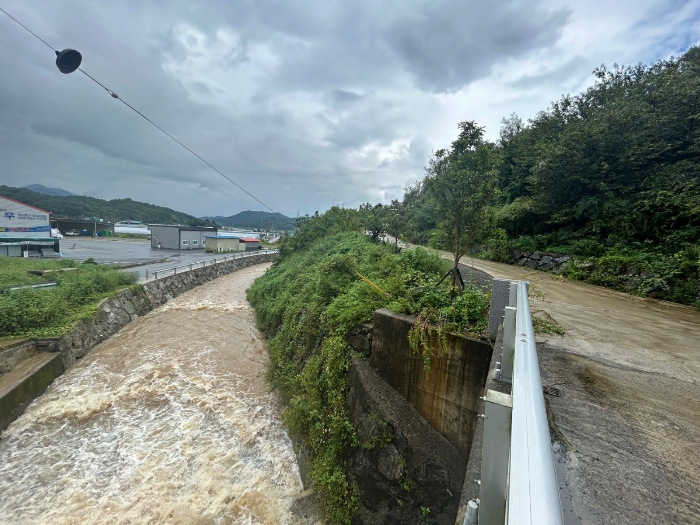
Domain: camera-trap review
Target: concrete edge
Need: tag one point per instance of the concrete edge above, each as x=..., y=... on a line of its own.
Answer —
x=27, y=388
x=470, y=489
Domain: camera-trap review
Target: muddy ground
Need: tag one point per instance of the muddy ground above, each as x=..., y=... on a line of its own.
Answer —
x=628, y=418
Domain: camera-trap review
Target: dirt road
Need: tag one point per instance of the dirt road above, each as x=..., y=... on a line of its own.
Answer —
x=628, y=419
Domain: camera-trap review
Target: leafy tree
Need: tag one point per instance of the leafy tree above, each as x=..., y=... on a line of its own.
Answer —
x=462, y=182
x=374, y=220
x=395, y=219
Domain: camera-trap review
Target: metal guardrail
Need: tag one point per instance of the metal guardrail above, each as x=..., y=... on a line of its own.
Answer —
x=206, y=262
x=518, y=477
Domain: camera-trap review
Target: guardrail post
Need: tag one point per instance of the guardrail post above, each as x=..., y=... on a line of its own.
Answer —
x=500, y=294
x=508, y=344
x=513, y=294
x=495, y=455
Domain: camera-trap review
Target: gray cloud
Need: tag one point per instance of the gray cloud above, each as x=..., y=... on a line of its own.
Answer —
x=559, y=75
x=449, y=44
x=305, y=103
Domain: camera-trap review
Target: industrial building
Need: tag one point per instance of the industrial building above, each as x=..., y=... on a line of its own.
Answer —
x=179, y=237
x=25, y=230
x=22, y=220
x=250, y=243
x=222, y=243
x=86, y=228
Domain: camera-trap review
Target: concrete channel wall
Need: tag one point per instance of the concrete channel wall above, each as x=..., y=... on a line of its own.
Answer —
x=29, y=370
x=448, y=396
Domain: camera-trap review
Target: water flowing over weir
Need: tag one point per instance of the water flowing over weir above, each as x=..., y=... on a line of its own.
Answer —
x=168, y=421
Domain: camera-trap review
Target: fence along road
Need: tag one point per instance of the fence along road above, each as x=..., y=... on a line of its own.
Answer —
x=173, y=270
x=518, y=482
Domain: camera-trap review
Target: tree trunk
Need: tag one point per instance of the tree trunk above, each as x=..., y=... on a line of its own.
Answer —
x=456, y=255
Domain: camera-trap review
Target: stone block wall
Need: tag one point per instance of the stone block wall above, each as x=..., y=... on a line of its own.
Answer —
x=552, y=262
x=405, y=471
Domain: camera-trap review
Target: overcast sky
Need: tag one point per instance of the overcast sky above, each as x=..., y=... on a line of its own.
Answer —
x=305, y=103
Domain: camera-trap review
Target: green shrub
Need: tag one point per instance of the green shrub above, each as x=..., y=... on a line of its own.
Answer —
x=671, y=277
x=32, y=312
x=309, y=299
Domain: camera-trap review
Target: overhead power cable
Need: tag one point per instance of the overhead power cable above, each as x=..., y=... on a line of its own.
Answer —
x=75, y=62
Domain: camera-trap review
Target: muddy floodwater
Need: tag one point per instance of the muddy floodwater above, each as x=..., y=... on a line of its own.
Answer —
x=168, y=421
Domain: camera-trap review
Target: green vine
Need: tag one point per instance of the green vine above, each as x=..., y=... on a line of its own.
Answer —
x=425, y=337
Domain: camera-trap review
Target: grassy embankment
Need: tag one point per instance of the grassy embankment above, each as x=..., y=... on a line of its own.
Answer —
x=53, y=311
x=309, y=300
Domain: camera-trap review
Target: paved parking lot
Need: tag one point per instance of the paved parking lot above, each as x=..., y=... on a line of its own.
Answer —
x=128, y=251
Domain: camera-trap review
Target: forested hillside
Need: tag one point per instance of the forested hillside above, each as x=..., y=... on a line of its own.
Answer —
x=609, y=175
x=256, y=219
x=115, y=210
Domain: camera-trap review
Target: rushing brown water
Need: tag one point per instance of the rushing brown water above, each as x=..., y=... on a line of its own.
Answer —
x=168, y=421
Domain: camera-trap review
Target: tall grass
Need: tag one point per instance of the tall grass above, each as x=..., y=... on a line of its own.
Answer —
x=52, y=311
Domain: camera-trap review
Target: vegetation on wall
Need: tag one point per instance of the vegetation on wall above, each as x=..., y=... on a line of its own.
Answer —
x=309, y=300
x=50, y=312
x=610, y=176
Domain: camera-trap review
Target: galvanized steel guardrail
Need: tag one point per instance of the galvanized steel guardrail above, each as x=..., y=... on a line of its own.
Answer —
x=518, y=483
x=206, y=262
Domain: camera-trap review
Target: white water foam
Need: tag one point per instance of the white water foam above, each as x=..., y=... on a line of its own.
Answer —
x=169, y=421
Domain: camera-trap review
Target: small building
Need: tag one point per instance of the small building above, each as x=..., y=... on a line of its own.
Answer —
x=179, y=237
x=29, y=247
x=222, y=244
x=250, y=243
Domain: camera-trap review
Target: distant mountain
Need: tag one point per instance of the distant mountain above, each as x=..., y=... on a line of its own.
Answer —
x=75, y=207
x=256, y=219
x=54, y=192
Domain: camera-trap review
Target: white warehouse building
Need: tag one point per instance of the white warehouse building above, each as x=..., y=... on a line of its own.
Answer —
x=25, y=230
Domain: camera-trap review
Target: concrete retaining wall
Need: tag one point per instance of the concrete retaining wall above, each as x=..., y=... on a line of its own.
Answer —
x=448, y=397
x=14, y=352
x=24, y=384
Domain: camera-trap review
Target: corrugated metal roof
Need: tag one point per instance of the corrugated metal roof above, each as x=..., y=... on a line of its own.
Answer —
x=249, y=239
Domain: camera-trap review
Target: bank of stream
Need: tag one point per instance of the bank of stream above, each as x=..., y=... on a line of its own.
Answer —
x=168, y=421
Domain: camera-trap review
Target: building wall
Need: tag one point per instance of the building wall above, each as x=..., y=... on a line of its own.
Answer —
x=10, y=250
x=227, y=245
x=194, y=239
x=167, y=236
x=17, y=219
